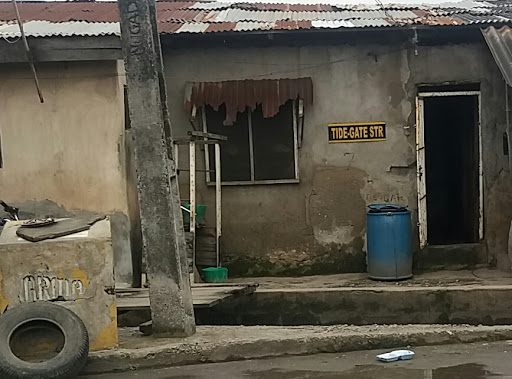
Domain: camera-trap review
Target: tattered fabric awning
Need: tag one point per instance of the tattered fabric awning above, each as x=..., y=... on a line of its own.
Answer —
x=238, y=95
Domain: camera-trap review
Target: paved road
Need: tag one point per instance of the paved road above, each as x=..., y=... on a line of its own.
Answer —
x=464, y=361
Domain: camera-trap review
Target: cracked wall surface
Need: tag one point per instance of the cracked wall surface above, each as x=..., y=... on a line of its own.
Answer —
x=318, y=225
x=69, y=149
x=77, y=273
x=69, y=154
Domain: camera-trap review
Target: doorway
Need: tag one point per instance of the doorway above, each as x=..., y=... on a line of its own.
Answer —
x=449, y=180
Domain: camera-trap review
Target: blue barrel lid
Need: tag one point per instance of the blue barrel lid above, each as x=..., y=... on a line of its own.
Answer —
x=385, y=208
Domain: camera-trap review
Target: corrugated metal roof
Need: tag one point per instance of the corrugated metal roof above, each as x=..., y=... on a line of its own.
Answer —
x=101, y=18
x=195, y=27
x=321, y=24
x=500, y=44
x=65, y=29
x=211, y=5
x=246, y=26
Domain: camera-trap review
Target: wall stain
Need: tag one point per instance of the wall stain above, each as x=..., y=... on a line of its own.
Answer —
x=78, y=274
x=3, y=301
x=107, y=337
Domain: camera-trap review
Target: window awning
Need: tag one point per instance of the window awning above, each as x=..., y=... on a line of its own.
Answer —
x=500, y=44
x=237, y=95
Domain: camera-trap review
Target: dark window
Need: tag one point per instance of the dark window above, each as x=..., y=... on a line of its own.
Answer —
x=235, y=160
x=270, y=142
x=274, y=147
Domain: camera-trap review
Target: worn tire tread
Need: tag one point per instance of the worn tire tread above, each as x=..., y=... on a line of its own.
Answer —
x=69, y=369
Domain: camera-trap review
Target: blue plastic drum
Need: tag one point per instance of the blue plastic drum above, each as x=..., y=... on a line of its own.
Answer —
x=389, y=242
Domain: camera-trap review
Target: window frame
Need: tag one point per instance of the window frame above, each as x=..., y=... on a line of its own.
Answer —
x=296, y=146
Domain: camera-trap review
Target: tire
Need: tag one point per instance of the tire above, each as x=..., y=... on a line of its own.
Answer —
x=67, y=363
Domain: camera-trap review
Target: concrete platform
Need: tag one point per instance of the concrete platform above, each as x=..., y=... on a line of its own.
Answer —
x=481, y=276
x=232, y=343
x=204, y=295
x=475, y=297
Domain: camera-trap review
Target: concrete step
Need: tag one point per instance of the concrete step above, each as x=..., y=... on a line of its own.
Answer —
x=451, y=257
x=480, y=296
x=231, y=343
x=468, y=304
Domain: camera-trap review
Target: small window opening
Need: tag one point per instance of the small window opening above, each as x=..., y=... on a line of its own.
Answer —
x=259, y=150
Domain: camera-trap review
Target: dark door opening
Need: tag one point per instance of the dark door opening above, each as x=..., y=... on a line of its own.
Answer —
x=451, y=168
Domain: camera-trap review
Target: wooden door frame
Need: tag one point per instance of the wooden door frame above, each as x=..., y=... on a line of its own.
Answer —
x=420, y=162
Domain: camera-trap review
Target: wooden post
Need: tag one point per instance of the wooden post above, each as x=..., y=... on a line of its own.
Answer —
x=192, y=177
x=218, y=205
x=161, y=219
x=207, y=148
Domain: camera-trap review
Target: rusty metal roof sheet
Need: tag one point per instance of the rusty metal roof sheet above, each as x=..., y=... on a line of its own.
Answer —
x=500, y=44
x=61, y=11
x=238, y=95
x=98, y=18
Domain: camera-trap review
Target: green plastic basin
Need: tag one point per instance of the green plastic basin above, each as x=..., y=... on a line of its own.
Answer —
x=215, y=274
x=200, y=212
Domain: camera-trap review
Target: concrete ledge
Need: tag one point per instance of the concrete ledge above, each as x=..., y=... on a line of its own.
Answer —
x=231, y=343
x=469, y=304
x=450, y=257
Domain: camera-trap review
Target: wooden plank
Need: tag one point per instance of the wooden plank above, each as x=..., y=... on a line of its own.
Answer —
x=218, y=205
x=213, y=136
x=207, y=148
x=59, y=229
x=421, y=172
x=140, y=303
x=192, y=194
x=186, y=141
x=63, y=49
x=194, y=286
x=230, y=285
x=132, y=304
x=204, y=295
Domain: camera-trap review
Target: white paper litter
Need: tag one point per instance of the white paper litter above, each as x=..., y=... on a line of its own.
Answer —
x=396, y=355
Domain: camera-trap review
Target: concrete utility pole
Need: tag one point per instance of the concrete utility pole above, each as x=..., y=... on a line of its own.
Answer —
x=161, y=219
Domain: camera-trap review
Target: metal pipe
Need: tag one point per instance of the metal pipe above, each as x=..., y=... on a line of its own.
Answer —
x=27, y=49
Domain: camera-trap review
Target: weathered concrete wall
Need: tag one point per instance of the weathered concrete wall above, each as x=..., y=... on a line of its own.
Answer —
x=76, y=272
x=133, y=211
x=71, y=149
x=318, y=226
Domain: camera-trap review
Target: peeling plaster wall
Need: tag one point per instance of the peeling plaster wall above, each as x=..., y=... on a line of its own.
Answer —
x=69, y=149
x=69, y=153
x=75, y=272
x=318, y=226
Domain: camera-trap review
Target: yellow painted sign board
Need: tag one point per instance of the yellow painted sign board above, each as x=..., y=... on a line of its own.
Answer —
x=357, y=132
